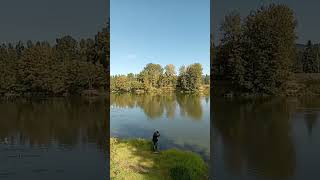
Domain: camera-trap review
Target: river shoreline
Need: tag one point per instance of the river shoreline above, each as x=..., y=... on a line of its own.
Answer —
x=301, y=85
x=204, y=91
x=85, y=93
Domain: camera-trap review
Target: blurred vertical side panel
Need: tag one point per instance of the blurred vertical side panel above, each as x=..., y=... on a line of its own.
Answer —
x=211, y=162
x=107, y=107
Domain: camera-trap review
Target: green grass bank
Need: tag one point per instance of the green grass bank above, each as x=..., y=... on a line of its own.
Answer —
x=134, y=159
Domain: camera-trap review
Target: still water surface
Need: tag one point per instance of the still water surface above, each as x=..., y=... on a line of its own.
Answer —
x=271, y=139
x=183, y=120
x=53, y=139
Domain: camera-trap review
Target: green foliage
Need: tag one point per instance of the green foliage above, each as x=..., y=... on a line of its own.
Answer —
x=151, y=74
x=307, y=58
x=42, y=68
x=310, y=59
x=231, y=50
x=183, y=79
x=190, y=77
x=179, y=172
x=169, y=78
x=206, y=79
x=153, y=77
x=194, y=76
x=257, y=54
x=120, y=83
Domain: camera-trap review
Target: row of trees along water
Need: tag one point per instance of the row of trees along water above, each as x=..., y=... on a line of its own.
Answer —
x=66, y=67
x=308, y=58
x=258, y=53
x=154, y=77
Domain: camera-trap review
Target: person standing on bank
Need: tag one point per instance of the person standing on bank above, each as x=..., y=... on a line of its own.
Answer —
x=155, y=139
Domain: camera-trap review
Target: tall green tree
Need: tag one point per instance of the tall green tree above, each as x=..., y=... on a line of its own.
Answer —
x=194, y=76
x=190, y=77
x=8, y=77
x=231, y=51
x=151, y=75
x=269, y=35
x=183, y=79
x=67, y=48
x=256, y=55
x=169, y=77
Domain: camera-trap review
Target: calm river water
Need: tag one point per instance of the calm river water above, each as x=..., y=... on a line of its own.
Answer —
x=271, y=139
x=183, y=120
x=53, y=139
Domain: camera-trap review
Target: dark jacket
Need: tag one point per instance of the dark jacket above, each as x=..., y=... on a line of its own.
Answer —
x=155, y=137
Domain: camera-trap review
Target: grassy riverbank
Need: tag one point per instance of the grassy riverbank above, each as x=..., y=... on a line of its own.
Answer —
x=134, y=159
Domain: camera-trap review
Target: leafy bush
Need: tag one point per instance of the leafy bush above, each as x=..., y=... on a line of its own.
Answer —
x=180, y=173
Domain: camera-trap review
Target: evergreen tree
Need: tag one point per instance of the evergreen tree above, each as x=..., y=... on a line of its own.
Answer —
x=309, y=61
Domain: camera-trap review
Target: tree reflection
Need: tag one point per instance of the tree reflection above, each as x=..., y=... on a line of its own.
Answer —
x=256, y=136
x=190, y=105
x=310, y=120
x=170, y=104
x=155, y=106
x=311, y=112
x=152, y=106
x=123, y=100
x=65, y=122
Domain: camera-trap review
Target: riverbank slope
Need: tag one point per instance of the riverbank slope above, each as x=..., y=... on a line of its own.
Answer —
x=134, y=159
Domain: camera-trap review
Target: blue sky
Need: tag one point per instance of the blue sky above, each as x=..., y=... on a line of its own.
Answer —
x=159, y=31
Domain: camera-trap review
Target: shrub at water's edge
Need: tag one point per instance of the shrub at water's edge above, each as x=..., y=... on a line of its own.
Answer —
x=134, y=159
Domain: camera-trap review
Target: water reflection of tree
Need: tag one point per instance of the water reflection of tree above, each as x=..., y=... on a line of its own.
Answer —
x=123, y=100
x=170, y=105
x=310, y=120
x=190, y=105
x=67, y=122
x=152, y=106
x=256, y=136
x=155, y=106
x=311, y=108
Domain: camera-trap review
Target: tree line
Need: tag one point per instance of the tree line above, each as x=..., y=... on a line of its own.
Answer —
x=256, y=53
x=154, y=77
x=308, y=58
x=66, y=67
